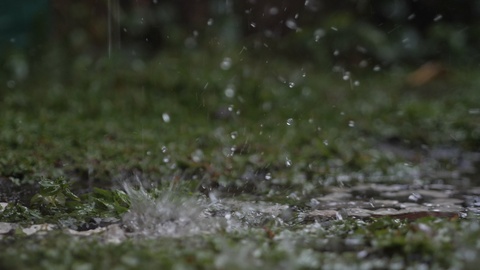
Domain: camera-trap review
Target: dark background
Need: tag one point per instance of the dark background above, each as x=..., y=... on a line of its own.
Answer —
x=354, y=34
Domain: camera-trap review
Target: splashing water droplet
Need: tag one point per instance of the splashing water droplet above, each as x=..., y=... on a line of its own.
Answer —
x=351, y=123
x=288, y=162
x=290, y=121
x=291, y=84
x=166, y=117
x=268, y=176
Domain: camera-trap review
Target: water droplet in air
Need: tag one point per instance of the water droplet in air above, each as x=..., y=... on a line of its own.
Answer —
x=411, y=17
x=268, y=176
x=346, y=76
x=166, y=117
x=290, y=121
x=273, y=11
x=291, y=24
x=253, y=24
x=438, y=18
x=336, y=52
x=288, y=162
x=210, y=22
x=377, y=68
x=356, y=83
x=318, y=34
x=164, y=149
x=230, y=91
x=226, y=63
x=351, y=123
x=233, y=135
x=291, y=84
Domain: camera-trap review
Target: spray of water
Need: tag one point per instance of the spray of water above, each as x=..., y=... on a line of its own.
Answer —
x=170, y=214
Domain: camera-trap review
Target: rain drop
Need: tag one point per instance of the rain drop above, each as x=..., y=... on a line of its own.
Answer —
x=226, y=63
x=233, y=135
x=318, y=34
x=356, y=83
x=351, y=123
x=210, y=22
x=377, y=68
x=164, y=149
x=166, y=117
x=268, y=176
x=438, y=18
x=230, y=91
x=288, y=162
x=291, y=84
x=290, y=121
x=291, y=24
x=253, y=24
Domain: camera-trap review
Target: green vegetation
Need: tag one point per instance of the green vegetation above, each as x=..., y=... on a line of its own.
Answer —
x=207, y=127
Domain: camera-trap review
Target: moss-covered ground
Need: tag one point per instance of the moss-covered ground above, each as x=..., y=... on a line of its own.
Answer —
x=215, y=129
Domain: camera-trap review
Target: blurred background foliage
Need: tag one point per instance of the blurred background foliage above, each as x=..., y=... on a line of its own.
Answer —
x=61, y=36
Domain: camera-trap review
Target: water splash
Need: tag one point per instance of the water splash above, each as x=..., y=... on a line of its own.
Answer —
x=170, y=214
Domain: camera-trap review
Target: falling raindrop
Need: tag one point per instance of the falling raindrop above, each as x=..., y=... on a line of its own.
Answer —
x=164, y=149
x=166, y=117
x=291, y=24
x=273, y=11
x=291, y=84
x=346, y=76
x=253, y=24
x=411, y=16
x=438, y=18
x=234, y=135
x=334, y=28
x=290, y=121
x=288, y=162
x=226, y=63
x=318, y=34
x=356, y=83
x=210, y=22
x=268, y=176
x=351, y=123
x=230, y=91
x=377, y=68
x=11, y=84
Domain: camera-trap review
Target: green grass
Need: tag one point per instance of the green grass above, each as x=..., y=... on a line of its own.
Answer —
x=168, y=124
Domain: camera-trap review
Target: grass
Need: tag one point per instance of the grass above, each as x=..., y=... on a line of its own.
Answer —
x=271, y=131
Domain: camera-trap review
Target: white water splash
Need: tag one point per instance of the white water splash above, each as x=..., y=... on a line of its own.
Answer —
x=170, y=214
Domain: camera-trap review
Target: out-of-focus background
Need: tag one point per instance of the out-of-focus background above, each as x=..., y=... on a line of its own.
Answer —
x=363, y=34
